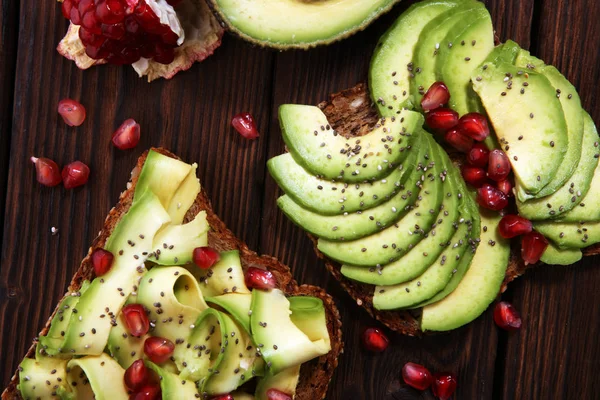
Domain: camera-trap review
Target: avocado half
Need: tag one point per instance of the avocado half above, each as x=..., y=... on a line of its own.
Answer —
x=299, y=24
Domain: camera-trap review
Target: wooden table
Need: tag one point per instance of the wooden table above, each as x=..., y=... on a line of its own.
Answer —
x=556, y=355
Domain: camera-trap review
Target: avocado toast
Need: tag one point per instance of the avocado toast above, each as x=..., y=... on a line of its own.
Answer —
x=57, y=343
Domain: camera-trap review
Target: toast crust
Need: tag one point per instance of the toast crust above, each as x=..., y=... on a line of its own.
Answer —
x=315, y=375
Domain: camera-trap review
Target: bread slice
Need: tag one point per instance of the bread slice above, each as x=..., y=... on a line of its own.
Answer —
x=351, y=112
x=314, y=375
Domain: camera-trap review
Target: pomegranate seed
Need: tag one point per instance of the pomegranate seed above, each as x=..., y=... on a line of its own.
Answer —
x=444, y=385
x=67, y=5
x=158, y=349
x=506, y=316
x=222, y=397
x=474, y=176
x=417, y=376
x=257, y=278
x=459, y=141
x=136, y=320
x=478, y=155
x=274, y=394
x=149, y=392
x=533, y=246
x=72, y=112
x=110, y=11
x=375, y=340
x=244, y=124
x=437, y=95
x=491, y=198
x=441, y=119
x=505, y=187
x=205, y=257
x=47, y=171
x=127, y=136
x=136, y=375
x=101, y=261
x=499, y=166
x=514, y=225
x=75, y=174
x=474, y=125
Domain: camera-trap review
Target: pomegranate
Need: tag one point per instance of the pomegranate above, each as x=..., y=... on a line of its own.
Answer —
x=474, y=176
x=375, y=340
x=72, y=112
x=441, y=119
x=274, y=394
x=505, y=187
x=244, y=124
x=75, y=174
x=474, y=125
x=506, y=317
x=47, y=171
x=459, y=141
x=127, y=136
x=222, y=397
x=444, y=385
x=479, y=155
x=158, y=349
x=136, y=319
x=491, y=198
x=417, y=376
x=148, y=392
x=257, y=278
x=499, y=166
x=205, y=257
x=101, y=261
x=514, y=225
x=533, y=246
x=437, y=95
x=136, y=375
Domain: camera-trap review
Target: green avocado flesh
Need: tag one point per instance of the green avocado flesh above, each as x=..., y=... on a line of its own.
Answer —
x=96, y=377
x=172, y=386
x=297, y=23
x=555, y=256
x=570, y=235
x=37, y=381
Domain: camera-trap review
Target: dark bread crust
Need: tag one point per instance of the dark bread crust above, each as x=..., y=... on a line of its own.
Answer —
x=315, y=375
x=351, y=113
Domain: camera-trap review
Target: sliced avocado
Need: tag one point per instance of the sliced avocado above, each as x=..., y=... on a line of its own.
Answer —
x=478, y=287
x=575, y=188
x=184, y=196
x=174, y=299
x=571, y=106
x=281, y=343
x=555, y=256
x=328, y=197
x=172, y=386
x=226, y=276
x=431, y=40
x=89, y=327
x=570, y=235
x=391, y=65
x=96, y=377
x=308, y=314
x=528, y=121
x=393, y=242
x=122, y=346
x=351, y=226
x=44, y=378
x=286, y=24
x=286, y=381
x=235, y=304
x=175, y=244
x=466, y=46
x=327, y=154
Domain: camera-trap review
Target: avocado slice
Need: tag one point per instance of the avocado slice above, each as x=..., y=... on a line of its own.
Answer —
x=478, y=287
x=391, y=68
x=237, y=305
x=350, y=226
x=555, y=256
x=184, y=196
x=322, y=151
x=575, y=188
x=282, y=344
x=286, y=381
x=286, y=24
x=43, y=378
x=529, y=123
x=123, y=347
x=432, y=39
x=172, y=386
x=330, y=197
x=393, y=242
x=308, y=314
x=226, y=276
x=96, y=377
x=570, y=235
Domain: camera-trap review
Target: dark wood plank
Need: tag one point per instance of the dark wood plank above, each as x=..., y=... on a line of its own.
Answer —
x=189, y=115
x=307, y=78
x=554, y=356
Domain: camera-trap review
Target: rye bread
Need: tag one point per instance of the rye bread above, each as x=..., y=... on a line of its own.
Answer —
x=315, y=375
x=351, y=113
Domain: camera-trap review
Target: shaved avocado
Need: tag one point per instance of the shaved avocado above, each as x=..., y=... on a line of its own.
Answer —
x=308, y=314
x=96, y=377
x=226, y=276
x=285, y=24
x=555, y=256
x=570, y=235
x=235, y=304
x=44, y=378
x=172, y=386
x=285, y=381
x=184, y=196
x=122, y=346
